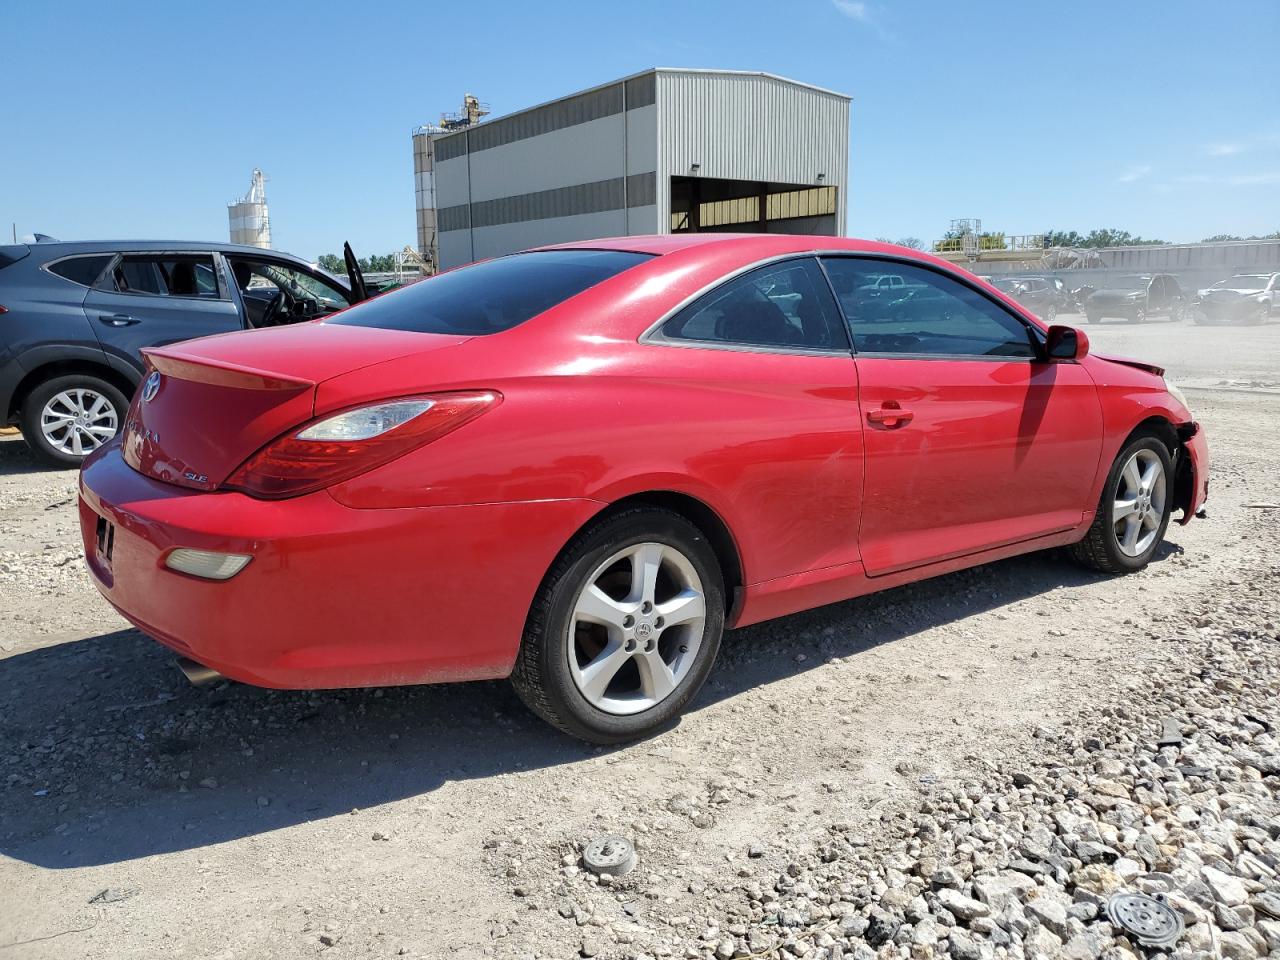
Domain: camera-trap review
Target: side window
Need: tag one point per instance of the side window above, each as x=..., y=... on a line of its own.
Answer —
x=81, y=270
x=931, y=315
x=785, y=305
x=192, y=276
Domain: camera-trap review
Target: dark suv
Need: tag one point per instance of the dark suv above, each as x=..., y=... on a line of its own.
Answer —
x=1136, y=297
x=1046, y=297
x=74, y=316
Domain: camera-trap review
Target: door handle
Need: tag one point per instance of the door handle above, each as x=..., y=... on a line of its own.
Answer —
x=117, y=319
x=890, y=416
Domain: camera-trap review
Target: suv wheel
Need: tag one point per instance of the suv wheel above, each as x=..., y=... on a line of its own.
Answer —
x=67, y=418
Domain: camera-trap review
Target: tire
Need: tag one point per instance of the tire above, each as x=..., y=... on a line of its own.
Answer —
x=1102, y=547
x=1051, y=315
x=48, y=405
x=1139, y=315
x=1258, y=317
x=562, y=642
x=1092, y=318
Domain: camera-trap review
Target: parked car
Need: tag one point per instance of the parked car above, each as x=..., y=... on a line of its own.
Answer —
x=576, y=466
x=1041, y=295
x=76, y=317
x=1246, y=298
x=1136, y=298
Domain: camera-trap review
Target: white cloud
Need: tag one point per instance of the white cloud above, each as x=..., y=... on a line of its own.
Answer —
x=1224, y=149
x=1266, y=178
x=1134, y=174
x=854, y=10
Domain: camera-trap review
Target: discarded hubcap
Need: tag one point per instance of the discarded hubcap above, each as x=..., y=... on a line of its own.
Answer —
x=1152, y=921
x=611, y=854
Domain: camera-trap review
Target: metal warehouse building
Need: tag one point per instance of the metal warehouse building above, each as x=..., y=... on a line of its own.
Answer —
x=664, y=151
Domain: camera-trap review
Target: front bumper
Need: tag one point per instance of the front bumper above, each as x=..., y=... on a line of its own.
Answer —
x=334, y=596
x=1197, y=492
x=1226, y=311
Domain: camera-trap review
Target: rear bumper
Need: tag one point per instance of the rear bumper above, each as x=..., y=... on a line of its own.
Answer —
x=334, y=596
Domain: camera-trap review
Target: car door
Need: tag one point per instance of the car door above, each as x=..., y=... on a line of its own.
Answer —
x=971, y=440
x=148, y=299
x=767, y=395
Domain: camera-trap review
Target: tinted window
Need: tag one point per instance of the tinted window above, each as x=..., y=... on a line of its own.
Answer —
x=785, y=304
x=165, y=276
x=82, y=270
x=931, y=315
x=492, y=296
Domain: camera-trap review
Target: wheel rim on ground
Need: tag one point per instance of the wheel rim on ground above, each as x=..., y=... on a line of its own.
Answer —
x=1138, y=510
x=78, y=421
x=637, y=626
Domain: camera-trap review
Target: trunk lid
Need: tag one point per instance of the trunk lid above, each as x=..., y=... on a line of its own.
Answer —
x=207, y=405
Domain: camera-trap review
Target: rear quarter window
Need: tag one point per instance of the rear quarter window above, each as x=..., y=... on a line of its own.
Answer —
x=81, y=270
x=492, y=296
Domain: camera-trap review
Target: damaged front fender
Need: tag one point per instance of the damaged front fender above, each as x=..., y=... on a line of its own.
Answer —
x=1191, y=472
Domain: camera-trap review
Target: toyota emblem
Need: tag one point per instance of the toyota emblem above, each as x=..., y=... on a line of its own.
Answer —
x=151, y=387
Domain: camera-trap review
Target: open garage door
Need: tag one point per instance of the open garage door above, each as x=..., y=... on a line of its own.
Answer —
x=707, y=204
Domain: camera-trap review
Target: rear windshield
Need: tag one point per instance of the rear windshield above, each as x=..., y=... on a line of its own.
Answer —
x=492, y=296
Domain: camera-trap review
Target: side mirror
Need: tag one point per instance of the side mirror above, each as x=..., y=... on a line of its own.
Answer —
x=1066, y=343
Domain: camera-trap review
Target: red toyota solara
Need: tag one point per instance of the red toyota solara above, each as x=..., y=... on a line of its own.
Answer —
x=576, y=466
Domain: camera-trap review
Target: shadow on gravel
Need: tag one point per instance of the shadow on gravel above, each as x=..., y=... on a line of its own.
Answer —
x=110, y=755
x=16, y=457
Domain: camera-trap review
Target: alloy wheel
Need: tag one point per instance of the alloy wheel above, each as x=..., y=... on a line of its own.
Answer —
x=1139, y=506
x=78, y=421
x=636, y=628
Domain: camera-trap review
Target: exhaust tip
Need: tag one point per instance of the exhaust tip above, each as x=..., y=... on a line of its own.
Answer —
x=197, y=673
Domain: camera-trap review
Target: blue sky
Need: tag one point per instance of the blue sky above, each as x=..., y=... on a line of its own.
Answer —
x=142, y=120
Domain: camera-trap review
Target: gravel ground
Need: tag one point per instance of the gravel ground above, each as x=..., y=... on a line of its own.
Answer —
x=962, y=767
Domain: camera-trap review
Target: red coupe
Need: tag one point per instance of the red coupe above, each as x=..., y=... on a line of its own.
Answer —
x=576, y=466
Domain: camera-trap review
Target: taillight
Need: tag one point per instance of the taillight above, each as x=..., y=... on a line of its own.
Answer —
x=3, y=308
x=343, y=445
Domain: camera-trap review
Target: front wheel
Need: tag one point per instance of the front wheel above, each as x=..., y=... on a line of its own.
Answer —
x=1139, y=315
x=625, y=628
x=1134, y=511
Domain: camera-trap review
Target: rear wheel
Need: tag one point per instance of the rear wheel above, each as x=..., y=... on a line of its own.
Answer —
x=1134, y=511
x=625, y=628
x=67, y=418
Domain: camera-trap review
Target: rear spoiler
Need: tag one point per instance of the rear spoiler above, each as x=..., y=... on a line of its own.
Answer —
x=12, y=253
x=220, y=373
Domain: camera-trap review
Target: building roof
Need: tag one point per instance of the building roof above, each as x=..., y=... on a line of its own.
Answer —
x=654, y=70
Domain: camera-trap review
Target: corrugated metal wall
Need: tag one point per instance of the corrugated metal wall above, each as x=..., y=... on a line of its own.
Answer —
x=599, y=163
x=751, y=127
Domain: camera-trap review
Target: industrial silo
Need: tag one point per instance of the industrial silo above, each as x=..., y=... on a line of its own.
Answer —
x=424, y=161
x=250, y=224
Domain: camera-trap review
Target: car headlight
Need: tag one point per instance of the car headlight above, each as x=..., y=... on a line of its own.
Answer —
x=1176, y=393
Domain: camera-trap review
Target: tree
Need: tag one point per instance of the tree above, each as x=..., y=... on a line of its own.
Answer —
x=1095, y=238
x=1222, y=237
x=377, y=263
x=912, y=243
